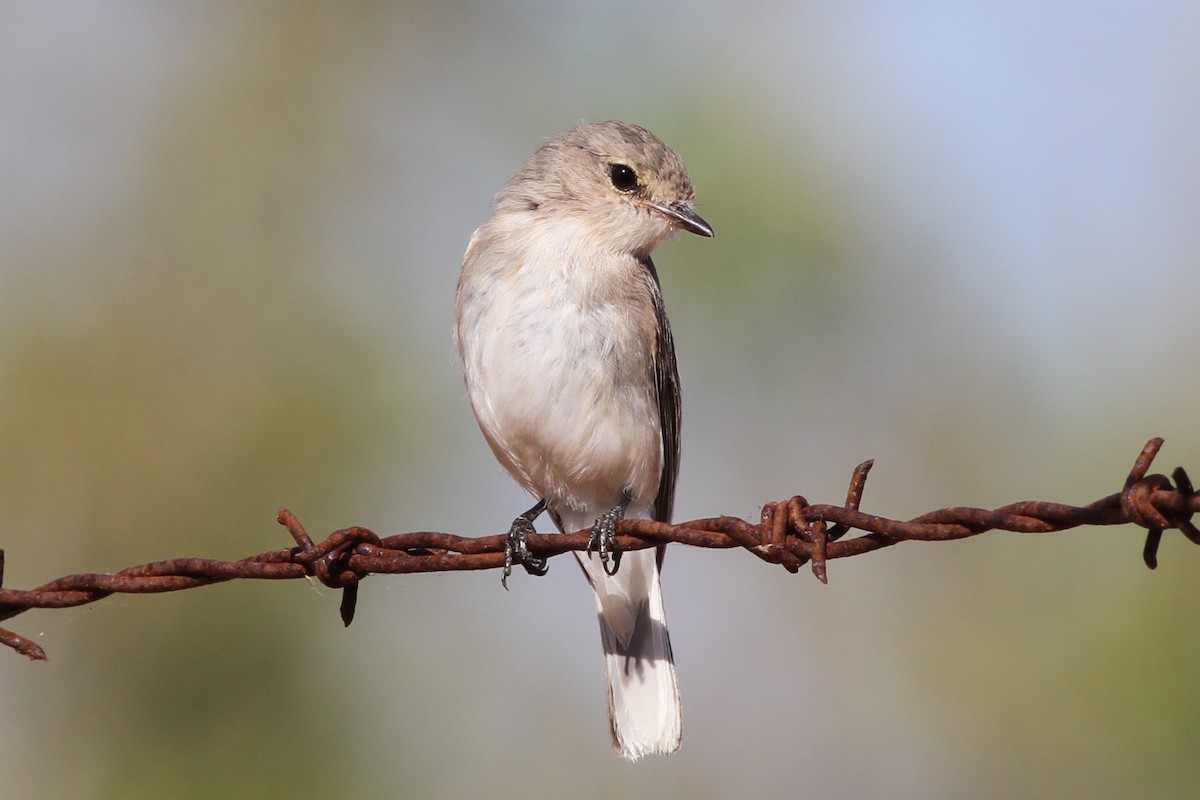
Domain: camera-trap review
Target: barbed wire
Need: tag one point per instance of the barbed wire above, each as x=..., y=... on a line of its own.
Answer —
x=790, y=533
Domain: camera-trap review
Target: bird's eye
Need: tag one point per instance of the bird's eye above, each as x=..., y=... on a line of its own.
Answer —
x=623, y=177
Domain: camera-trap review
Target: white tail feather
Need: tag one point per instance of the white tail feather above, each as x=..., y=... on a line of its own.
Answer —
x=643, y=695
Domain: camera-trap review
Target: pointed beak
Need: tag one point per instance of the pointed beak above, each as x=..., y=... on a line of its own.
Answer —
x=684, y=217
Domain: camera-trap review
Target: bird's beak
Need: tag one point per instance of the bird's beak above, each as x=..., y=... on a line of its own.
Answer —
x=685, y=217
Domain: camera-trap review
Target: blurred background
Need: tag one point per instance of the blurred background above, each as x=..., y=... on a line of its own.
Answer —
x=961, y=239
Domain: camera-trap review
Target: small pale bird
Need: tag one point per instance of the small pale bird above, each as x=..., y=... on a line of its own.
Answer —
x=570, y=370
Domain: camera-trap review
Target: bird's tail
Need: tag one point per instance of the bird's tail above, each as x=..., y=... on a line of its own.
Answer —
x=643, y=695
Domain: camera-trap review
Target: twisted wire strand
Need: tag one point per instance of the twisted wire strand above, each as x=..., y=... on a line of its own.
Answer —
x=790, y=533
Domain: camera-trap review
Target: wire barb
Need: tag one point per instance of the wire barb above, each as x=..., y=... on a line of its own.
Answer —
x=790, y=533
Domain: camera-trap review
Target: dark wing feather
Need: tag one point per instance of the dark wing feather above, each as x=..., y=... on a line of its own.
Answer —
x=666, y=384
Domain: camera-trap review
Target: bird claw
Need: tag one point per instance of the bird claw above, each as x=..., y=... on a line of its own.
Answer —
x=516, y=546
x=604, y=538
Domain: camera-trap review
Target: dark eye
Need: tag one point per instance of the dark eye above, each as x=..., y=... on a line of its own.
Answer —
x=623, y=177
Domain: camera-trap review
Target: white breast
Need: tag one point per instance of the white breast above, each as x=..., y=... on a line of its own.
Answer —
x=557, y=344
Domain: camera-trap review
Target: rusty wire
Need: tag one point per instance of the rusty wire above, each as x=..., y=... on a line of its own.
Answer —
x=790, y=533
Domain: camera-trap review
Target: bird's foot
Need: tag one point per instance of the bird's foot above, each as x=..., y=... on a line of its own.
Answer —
x=604, y=536
x=516, y=546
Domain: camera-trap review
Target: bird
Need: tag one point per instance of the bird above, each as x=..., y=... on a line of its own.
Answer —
x=570, y=371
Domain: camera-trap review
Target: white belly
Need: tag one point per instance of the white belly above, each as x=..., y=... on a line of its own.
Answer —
x=560, y=378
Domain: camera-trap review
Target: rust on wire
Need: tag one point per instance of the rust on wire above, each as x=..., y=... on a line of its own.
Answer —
x=790, y=533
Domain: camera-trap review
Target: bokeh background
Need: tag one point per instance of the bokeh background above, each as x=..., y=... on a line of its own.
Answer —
x=961, y=239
